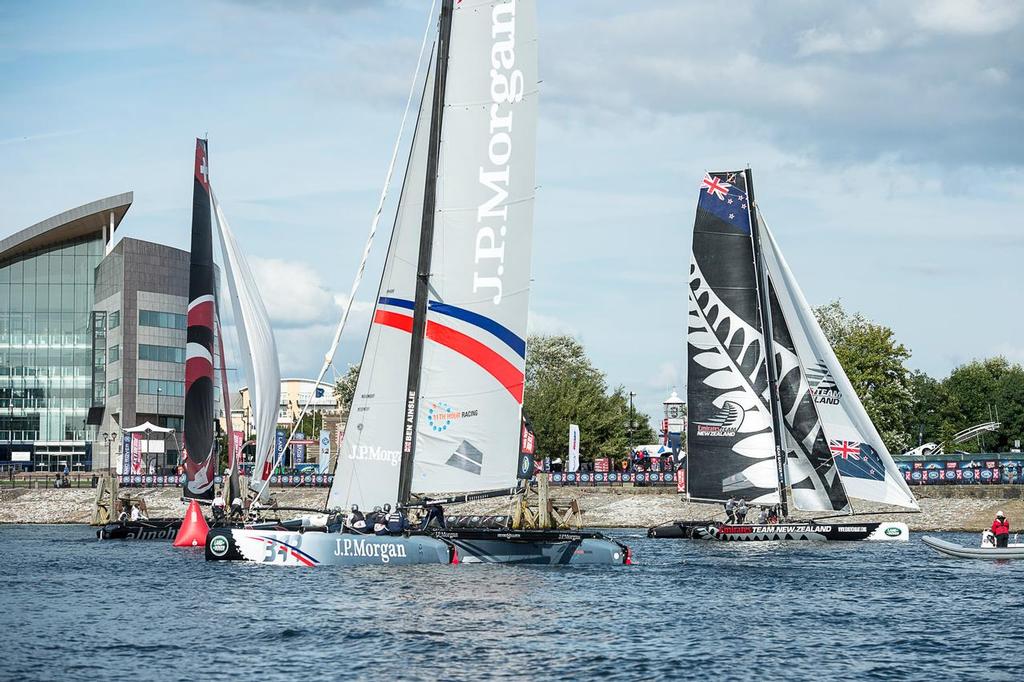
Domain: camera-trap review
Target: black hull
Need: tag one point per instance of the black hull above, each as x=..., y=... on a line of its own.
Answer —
x=807, y=531
x=541, y=547
x=166, y=529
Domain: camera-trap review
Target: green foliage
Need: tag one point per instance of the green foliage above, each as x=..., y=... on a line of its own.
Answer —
x=345, y=388
x=876, y=366
x=910, y=406
x=987, y=390
x=562, y=388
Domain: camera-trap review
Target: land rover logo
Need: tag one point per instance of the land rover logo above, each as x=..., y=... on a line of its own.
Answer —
x=219, y=545
x=893, y=532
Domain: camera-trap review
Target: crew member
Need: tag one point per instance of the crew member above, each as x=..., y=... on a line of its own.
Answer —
x=396, y=522
x=371, y=518
x=218, y=506
x=236, y=508
x=356, y=522
x=1001, y=529
x=730, y=510
x=380, y=522
x=435, y=516
x=741, y=511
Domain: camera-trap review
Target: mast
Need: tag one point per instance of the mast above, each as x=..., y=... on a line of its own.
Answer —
x=764, y=304
x=419, y=324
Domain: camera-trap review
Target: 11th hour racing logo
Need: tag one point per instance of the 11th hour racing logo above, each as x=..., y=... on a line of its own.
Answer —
x=507, y=87
x=441, y=416
x=823, y=385
x=726, y=422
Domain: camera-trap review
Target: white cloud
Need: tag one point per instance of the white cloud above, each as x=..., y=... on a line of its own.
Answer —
x=815, y=41
x=972, y=17
x=294, y=293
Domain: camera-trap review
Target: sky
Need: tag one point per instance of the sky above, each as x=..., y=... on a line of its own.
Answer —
x=886, y=142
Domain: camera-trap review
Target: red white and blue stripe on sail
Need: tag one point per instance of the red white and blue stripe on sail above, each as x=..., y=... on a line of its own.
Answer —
x=467, y=333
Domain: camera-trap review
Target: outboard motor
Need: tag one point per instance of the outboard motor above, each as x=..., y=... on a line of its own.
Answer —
x=988, y=540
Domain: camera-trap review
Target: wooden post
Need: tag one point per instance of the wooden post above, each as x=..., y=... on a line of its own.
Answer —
x=544, y=520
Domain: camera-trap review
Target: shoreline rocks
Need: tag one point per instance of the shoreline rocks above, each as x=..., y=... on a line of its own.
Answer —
x=958, y=508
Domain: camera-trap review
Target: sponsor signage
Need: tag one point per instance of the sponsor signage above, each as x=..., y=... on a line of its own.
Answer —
x=299, y=449
x=325, y=450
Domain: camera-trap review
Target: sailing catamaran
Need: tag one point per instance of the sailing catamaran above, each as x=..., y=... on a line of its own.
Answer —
x=438, y=403
x=766, y=424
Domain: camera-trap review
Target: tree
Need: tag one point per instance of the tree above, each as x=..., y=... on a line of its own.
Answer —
x=988, y=390
x=345, y=388
x=563, y=387
x=876, y=366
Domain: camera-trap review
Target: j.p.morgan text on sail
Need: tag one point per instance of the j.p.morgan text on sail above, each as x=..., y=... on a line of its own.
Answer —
x=507, y=87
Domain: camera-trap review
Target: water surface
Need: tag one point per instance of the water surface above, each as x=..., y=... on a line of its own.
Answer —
x=75, y=608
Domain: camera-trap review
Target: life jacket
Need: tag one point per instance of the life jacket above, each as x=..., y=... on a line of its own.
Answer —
x=395, y=524
x=1000, y=527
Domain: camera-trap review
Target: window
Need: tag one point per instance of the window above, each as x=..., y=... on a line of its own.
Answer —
x=161, y=353
x=113, y=387
x=114, y=319
x=174, y=389
x=114, y=354
x=153, y=318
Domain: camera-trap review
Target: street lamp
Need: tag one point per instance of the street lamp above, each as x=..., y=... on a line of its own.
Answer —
x=109, y=439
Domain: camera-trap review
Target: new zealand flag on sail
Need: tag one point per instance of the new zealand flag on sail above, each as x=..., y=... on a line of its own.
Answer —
x=857, y=460
x=726, y=200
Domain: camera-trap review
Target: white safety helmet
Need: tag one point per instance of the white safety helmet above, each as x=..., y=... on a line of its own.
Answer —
x=999, y=515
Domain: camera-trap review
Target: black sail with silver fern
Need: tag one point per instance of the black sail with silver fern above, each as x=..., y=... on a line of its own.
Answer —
x=730, y=442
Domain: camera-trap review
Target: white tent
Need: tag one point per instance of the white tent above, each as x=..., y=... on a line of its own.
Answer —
x=148, y=427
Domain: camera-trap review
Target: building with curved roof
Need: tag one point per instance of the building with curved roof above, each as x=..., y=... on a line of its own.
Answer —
x=47, y=279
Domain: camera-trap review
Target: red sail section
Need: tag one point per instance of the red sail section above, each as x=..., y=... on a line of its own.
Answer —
x=200, y=461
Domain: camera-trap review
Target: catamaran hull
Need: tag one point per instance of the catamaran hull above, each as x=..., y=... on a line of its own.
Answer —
x=816, y=532
x=544, y=548
x=167, y=529
x=1014, y=551
x=319, y=548
x=154, y=529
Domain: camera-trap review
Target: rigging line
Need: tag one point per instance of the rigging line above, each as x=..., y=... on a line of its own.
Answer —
x=329, y=356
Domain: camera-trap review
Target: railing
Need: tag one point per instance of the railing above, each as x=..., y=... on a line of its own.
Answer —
x=978, y=471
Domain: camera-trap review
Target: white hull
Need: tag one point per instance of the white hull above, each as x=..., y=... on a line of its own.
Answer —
x=1013, y=551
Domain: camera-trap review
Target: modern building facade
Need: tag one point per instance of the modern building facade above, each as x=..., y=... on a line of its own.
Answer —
x=46, y=362
x=92, y=342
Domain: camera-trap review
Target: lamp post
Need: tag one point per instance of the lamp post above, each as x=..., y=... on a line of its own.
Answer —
x=632, y=420
x=109, y=439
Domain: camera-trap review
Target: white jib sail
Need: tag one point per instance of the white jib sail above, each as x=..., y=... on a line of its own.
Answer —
x=256, y=345
x=474, y=356
x=867, y=469
x=369, y=458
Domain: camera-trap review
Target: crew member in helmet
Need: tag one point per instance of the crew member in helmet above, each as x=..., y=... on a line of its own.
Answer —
x=1001, y=529
x=371, y=518
x=356, y=520
x=396, y=522
x=380, y=523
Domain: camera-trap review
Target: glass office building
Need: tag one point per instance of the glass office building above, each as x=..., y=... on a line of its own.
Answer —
x=47, y=364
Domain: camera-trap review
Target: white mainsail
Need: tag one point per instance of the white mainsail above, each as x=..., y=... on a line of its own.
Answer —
x=865, y=466
x=370, y=454
x=475, y=352
x=257, y=347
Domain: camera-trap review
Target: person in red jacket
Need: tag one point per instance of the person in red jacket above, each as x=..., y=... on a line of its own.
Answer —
x=1001, y=529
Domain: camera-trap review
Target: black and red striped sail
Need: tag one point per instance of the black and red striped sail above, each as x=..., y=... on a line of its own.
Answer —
x=200, y=461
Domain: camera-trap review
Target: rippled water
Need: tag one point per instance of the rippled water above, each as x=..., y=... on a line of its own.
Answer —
x=76, y=608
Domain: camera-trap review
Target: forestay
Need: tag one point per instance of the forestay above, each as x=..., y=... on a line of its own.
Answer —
x=257, y=347
x=370, y=454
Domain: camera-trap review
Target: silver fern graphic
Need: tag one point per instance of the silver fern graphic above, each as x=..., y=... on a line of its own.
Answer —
x=809, y=478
